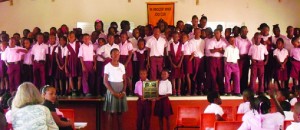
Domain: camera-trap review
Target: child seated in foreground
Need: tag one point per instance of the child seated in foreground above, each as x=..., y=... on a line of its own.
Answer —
x=296, y=123
x=248, y=96
x=214, y=106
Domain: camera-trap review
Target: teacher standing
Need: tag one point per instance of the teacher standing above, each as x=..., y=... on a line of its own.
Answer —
x=115, y=82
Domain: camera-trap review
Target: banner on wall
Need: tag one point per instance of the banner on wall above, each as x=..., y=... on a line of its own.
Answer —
x=160, y=10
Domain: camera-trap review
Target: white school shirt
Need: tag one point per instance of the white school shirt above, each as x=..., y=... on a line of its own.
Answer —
x=295, y=53
x=258, y=52
x=115, y=74
x=293, y=101
x=11, y=55
x=191, y=35
x=139, y=87
x=134, y=43
x=288, y=43
x=274, y=39
x=207, y=42
x=156, y=46
x=249, y=114
x=146, y=38
x=243, y=45
x=232, y=54
x=294, y=126
x=28, y=58
x=175, y=46
x=198, y=47
x=281, y=54
x=39, y=51
x=216, y=44
x=187, y=48
x=244, y=108
x=86, y=52
x=96, y=46
x=51, y=48
x=99, y=58
x=269, y=121
x=164, y=87
x=125, y=48
x=105, y=50
x=288, y=115
x=64, y=51
x=215, y=109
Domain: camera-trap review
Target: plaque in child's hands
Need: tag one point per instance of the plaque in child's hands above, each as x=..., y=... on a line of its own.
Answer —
x=150, y=89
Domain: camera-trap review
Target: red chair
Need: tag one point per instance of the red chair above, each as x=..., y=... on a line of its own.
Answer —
x=273, y=108
x=286, y=124
x=239, y=117
x=207, y=121
x=229, y=113
x=227, y=125
x=70, y=114
x=188, y=117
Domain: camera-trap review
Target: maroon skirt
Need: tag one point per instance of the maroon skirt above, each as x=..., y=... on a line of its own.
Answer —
x=104, y=63
x=295, y=70
x=176, y=72
x=60, y=74
x=74, y=67
x=100, y=68
x=128, y=68
x=281, y=74
x=163, y=107
x=27, y=73
x=187, y=65
x=3, y=69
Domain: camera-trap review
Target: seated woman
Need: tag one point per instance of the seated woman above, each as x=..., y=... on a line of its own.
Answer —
x=264, y=120
x=49, y=94
x=27, y=111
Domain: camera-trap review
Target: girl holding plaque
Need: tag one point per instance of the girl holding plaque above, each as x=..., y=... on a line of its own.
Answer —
x=163, y=108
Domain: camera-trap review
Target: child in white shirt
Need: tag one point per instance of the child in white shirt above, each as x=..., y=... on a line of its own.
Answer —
x=296, y=123
x=248, y=97
x=286, y=106
x=214, y=106
x=263, y=120
x=163, y=108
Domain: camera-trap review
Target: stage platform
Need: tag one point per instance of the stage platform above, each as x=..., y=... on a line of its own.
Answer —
x=90, y=109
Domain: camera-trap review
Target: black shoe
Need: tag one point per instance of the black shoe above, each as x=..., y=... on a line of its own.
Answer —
x=88, y=95
x=237, y=94
x=227, y=94
x=260, y=93
x=73, y=93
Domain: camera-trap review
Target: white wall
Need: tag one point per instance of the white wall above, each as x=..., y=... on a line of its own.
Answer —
x=45, y=13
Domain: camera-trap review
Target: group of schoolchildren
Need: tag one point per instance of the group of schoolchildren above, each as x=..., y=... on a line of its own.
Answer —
x=196, y=58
